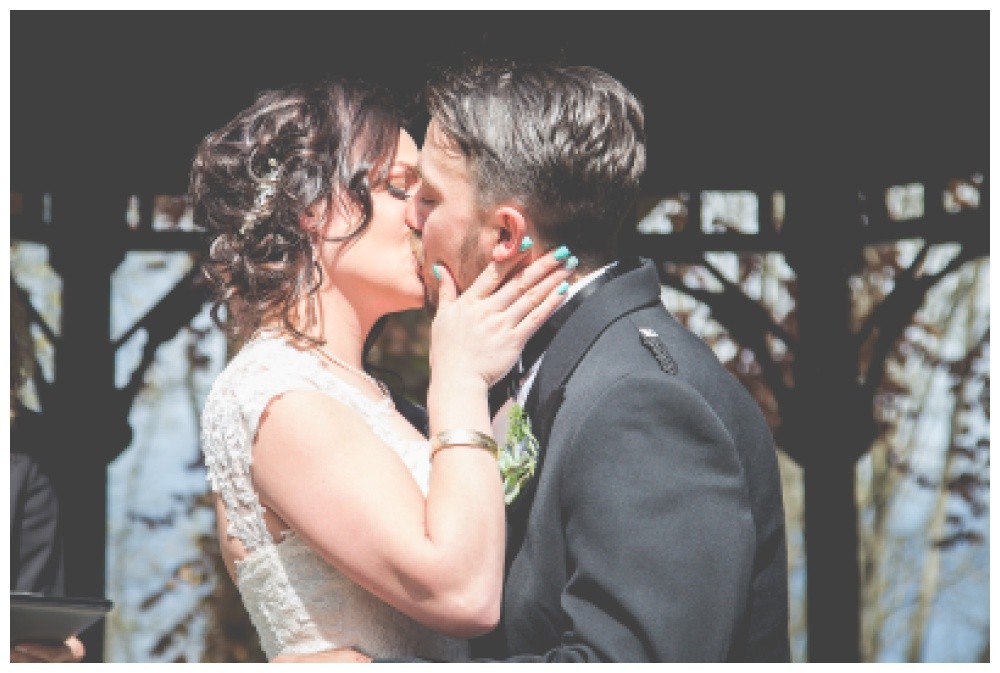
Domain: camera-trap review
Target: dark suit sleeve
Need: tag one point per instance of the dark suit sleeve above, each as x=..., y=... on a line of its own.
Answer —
x=659, y=533
x=36, y=544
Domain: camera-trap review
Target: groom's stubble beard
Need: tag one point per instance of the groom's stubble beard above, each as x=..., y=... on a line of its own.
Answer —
x=471, y=262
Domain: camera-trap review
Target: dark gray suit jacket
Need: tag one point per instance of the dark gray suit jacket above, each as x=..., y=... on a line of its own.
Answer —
x=36, y=555
x=653, y=529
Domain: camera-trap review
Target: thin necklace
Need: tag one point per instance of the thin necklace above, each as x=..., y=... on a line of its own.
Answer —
x=360, y=372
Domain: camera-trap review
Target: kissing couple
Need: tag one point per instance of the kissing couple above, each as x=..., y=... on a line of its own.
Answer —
x=588, y=483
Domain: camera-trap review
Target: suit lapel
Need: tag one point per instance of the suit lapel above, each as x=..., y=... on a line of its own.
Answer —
x=623, y=295
x=626, y=294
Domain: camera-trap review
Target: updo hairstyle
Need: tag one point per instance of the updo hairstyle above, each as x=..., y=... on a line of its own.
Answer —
x=253, y=179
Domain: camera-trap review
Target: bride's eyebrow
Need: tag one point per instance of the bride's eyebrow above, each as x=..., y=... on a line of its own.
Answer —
x=407, y=167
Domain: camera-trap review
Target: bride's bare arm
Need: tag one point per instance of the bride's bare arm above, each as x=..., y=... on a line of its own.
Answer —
x=323, y=471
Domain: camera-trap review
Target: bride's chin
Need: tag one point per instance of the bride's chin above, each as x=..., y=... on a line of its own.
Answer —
x=412, y=298
x=413, y=301
x=409, y=289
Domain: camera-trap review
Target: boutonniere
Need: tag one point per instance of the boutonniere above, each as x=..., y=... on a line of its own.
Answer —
x=519, y=453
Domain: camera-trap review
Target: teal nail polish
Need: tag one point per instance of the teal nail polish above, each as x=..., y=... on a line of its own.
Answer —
x=436, y=270
x=572, y=262
x=563, y=286
x=561, y=253
x=526, y=243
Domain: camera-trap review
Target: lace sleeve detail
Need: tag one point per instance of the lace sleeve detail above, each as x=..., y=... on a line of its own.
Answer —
x=229, y=424
x=263, y=370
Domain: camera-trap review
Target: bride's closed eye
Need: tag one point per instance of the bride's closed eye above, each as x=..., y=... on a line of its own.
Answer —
x=397, y=192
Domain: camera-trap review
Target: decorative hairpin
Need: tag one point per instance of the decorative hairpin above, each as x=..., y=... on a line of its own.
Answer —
x=267, y=187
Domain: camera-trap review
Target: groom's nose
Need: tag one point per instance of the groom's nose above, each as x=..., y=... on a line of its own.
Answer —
x=411, y=219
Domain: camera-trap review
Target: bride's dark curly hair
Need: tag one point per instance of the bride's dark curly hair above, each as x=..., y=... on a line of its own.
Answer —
x=253, y=179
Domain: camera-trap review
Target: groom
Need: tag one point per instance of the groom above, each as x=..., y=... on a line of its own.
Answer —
x=649, y=526
x=652, y=527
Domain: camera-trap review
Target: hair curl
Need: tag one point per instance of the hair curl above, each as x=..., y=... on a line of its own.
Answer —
x=336, y=139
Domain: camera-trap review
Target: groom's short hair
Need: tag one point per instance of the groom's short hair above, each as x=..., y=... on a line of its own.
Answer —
x=567, y=143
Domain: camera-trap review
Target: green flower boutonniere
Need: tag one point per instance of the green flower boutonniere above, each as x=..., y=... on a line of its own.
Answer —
x=519, y=453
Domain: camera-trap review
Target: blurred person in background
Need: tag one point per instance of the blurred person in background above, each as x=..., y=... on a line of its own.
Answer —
x=36, y=552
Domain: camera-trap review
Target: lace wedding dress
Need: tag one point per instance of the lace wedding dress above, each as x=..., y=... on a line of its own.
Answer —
x=298, y=603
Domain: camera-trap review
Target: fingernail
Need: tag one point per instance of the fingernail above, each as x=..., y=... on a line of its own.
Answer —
x=563, y=286
x=572, y=262
x=561, y=253
x=436, y=270
x=526, y=243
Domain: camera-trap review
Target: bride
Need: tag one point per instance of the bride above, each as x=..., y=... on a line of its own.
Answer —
x=338, y=522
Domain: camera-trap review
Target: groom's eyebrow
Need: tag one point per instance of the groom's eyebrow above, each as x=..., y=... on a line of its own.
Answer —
x=423, y=178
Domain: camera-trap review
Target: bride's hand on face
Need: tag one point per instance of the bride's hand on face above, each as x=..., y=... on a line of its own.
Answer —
x=481, y=332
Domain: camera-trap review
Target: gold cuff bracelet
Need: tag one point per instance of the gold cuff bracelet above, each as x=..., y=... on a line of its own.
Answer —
x=472, y=438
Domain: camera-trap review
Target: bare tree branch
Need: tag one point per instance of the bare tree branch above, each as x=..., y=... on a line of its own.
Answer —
x=35, y=317
x=905, y=300
x=175, y=301
x=759, y=313
x=744, y=325
x=887, y=304
x=162, y=323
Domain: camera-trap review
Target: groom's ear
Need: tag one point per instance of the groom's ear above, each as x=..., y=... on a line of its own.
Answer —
x=511, y=226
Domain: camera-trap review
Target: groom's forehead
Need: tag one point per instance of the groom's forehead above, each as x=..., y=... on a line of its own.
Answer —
x=440, y=160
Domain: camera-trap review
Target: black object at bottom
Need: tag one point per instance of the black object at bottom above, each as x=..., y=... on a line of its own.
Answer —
x=36, y=618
